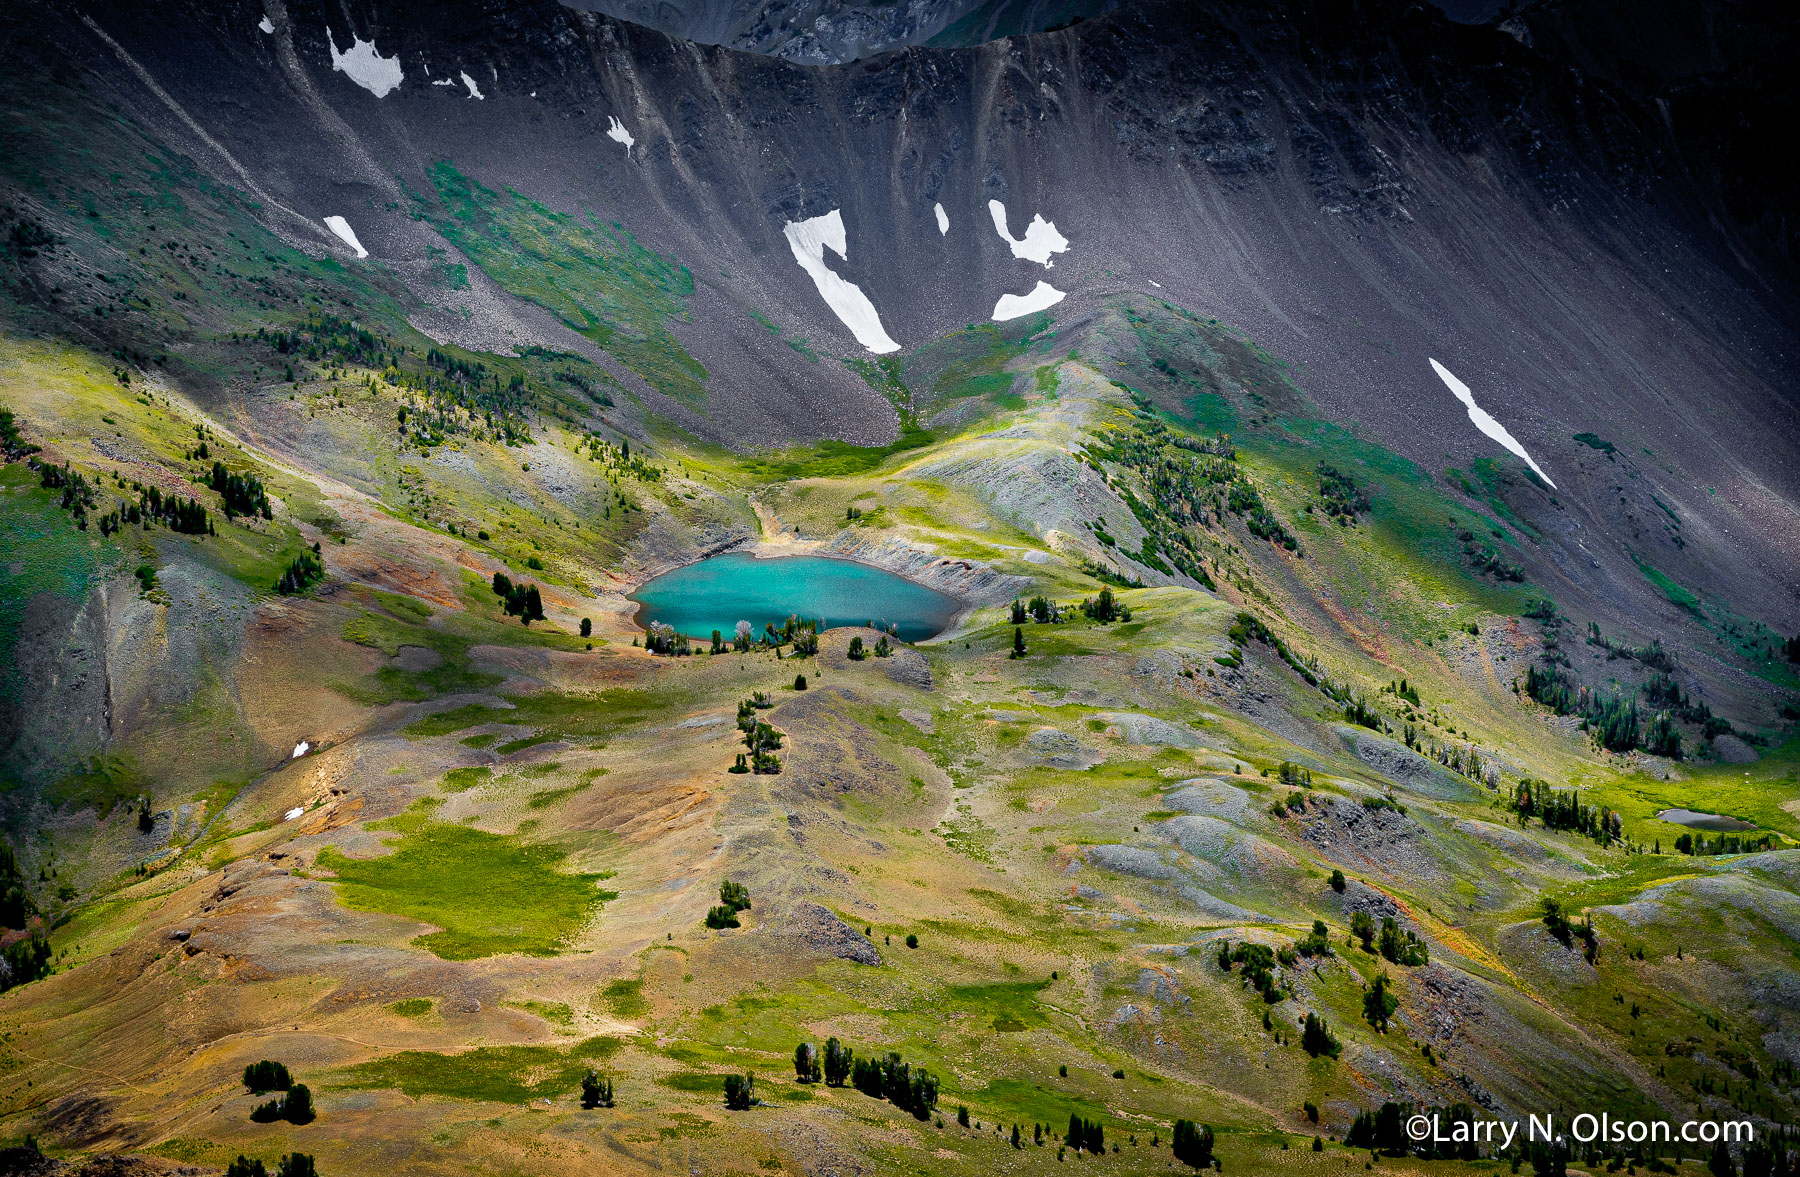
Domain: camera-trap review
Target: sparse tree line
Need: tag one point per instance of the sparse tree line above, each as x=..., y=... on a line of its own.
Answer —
x=1190, y=483
x=760, y=738
x=1614, y=722
x=1564, y=811
x=800, y=633
x=1483, y=558
x=915, y=1090
x=455, y=396
x=1701, y=845
x=619, y=461
x=1258, y=967
x=80, y=494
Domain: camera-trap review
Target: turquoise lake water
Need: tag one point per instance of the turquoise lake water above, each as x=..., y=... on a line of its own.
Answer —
x=718, y=593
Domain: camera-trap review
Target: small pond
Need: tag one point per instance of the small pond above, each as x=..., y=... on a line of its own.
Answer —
x=1704, y=821
x=719, y=592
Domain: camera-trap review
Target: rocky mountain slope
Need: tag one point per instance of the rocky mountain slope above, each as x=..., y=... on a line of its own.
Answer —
x=1415, y=389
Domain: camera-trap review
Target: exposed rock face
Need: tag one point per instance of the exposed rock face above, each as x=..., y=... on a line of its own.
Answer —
x=1399, y=763
x=1150, y=731
x=1732, y=750
x=1058, y=749
x=911, y=668
x=969, y=580
x=821, y=931
x=830, y=32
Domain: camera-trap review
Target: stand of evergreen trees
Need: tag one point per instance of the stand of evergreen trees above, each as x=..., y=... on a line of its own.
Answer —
x=1700, y=844
x=1564, y=811
x=1343, y=500
x=266, y=1076
x=740, y=1092
x=1567, y=931
x=596, y=1091
x=296, y=1107
x=242, y=494
x=733, y=898
x=890, y=1078
x=1612, y=722
x=1258, y=972
x=1085, y=1135
x=1105, y=608
x=1192, y=1144
x=294, y=1164
x=304, y=571
x=520, y=600
x=761, y=739
x=1316, y=1038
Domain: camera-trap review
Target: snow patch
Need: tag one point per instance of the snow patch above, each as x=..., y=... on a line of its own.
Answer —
x=1484, y=421
x=474, y=90
x=444, y=82
x=346, y=234
x=291, y=814
x=809, y=240
x=1041, y=238
x=266, y=25
x=300, y=750
x=1012, y=306
x=943, y=219
x=366, y=67
x=615, y=130
x=1155, y=283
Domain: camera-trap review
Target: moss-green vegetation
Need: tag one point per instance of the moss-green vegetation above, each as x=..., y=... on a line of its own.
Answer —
x=625, y=998
x=833, y=459
x=491, y=1074
x=490, y=894
x=568, y=715
x=452, y=674
x=590, y=273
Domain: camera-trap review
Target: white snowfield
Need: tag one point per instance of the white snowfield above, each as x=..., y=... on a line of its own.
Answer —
x=346, y=234
x=809, y=240
x=266, y=25
x=474, y=90
x=1012, y=306
x=1484, y=421
x=291, y=814
x=300, y=750
x=443, y=81
x=943, y=219
x=367, y=68
x=1041, y=238
x=615, y=130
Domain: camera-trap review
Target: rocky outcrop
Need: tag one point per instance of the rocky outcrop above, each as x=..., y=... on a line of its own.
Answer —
x=967, y=580
x=819, y=930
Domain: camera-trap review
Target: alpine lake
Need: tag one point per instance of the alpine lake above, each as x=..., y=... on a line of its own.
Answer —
x=720, y=591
